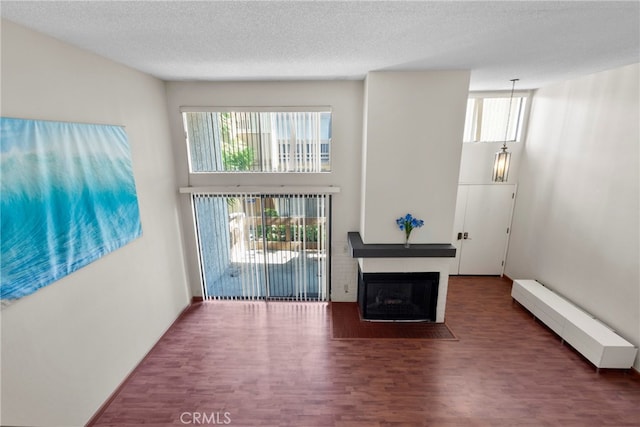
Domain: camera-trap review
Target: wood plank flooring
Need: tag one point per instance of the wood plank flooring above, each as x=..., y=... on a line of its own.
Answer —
x=275, y=364
x=347, y=324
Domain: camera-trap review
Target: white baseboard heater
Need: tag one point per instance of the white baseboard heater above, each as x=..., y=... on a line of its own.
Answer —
x=594, y=340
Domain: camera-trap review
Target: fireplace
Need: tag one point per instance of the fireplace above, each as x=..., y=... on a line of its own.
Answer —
x=398, y=296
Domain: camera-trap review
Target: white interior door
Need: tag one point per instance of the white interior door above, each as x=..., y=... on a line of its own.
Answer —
x=487, y=218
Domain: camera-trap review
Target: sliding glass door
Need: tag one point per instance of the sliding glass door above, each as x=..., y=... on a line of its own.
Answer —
x=263, y=246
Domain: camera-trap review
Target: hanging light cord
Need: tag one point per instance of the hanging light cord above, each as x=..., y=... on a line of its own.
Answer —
x=506, y=132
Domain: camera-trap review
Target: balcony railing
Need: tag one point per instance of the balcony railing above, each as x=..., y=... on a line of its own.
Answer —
x=280, y=233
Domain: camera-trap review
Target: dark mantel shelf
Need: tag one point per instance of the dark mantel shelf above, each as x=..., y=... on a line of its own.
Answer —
x=380, y=250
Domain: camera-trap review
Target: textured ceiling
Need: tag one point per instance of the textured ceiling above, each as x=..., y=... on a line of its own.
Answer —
x=538, y=42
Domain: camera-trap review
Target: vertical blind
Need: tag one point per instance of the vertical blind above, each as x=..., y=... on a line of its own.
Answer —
x=256, y=246
x=258, y=141
x=486, y=119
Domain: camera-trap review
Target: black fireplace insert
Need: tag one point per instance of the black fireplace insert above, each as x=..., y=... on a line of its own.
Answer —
x=398, y=296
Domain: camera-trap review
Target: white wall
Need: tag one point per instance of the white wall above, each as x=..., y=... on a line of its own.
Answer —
x=476, y=163
x=345, y=99
x=413, y=128
x=68, y=346
x=576, y=226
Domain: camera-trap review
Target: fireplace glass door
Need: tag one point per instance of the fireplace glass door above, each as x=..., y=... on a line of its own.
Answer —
x=398, y=296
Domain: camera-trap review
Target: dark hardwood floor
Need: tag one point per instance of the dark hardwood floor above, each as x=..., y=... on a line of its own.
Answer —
x=275, y=364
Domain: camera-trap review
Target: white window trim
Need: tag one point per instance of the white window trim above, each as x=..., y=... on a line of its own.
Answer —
x=256, y=109
x=256, y=189
x=252, y=109
x=500, y=94
x=521, y=135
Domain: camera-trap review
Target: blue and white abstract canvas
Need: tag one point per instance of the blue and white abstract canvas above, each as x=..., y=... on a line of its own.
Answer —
x=67, y=198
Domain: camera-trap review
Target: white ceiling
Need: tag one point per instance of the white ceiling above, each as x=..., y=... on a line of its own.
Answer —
x=538, y=42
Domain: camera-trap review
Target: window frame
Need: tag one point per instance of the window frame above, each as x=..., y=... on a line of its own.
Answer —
x=476, y=130
x=257, y=109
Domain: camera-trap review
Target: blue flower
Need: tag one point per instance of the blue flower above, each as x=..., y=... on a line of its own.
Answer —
x=408, y=223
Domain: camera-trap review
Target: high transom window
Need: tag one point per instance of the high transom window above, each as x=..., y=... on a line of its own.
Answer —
x=486, y=119
x=258, y=140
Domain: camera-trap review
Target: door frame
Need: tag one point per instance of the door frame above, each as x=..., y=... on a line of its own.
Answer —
x=264, y=243
x=457, y=212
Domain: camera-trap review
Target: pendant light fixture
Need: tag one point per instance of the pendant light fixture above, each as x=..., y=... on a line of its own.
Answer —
x=503, y=157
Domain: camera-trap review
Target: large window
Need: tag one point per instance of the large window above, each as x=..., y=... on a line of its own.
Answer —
x=259, y=246
x=229, y=140
x=486, y=119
